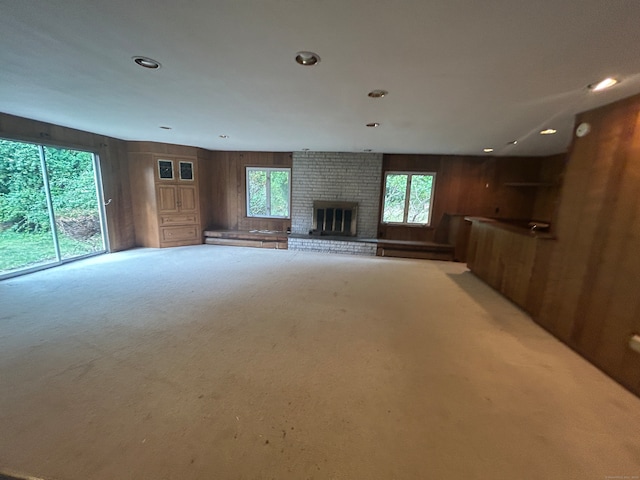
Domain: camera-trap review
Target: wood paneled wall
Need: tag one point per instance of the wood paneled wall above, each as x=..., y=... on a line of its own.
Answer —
x=590, y=284
x=115, y=183
x=112, y=155
x=504, y=256
x=547, y=197
x=464, y=185
x=228, y=199
x=479, y=186
x=205, y=183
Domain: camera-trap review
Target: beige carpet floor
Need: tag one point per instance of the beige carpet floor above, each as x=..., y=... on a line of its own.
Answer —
x=230, y=363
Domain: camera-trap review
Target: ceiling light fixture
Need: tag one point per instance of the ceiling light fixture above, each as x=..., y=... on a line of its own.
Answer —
x=147, y=62
x=368, y=150
x=305, y=149
x=512, y=142
x=487, y=150
x=377, y=93
x=548, y=131
x=307, y=59
x=373, y=125
x=165, y=127
x=223, y=136
x=602, y=85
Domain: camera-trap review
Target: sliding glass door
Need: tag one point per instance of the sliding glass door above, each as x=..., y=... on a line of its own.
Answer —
x=50, y=210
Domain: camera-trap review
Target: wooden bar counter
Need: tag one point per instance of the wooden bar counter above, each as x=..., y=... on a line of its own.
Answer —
x=510, y=257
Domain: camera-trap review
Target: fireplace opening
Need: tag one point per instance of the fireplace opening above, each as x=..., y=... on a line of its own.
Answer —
x=334, y=218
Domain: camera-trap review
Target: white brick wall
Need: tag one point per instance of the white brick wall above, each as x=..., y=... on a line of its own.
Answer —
x=331, y=176
x=332, y=246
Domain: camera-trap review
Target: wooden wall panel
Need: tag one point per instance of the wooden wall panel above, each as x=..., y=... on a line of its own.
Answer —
x=113, y=164
x=142, y=174
x=504, y=258
x=229, y=189
x=206, y=172
x=590, y=298
x=546, y=203
x=117, y=194
x=161, y=148
x=478, y=186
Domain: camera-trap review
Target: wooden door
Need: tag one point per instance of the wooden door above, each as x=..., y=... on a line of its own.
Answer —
x=168, y=199
x=187, y=198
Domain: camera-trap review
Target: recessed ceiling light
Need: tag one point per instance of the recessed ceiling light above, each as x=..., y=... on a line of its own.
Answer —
x=373, y=124
x=487, y=150
x=307, y=58
x=223, y=136
x=548, y=131
x=512, y=142
x=604, y=84
x=165, y=127
x=377, y=93
x=147, y=62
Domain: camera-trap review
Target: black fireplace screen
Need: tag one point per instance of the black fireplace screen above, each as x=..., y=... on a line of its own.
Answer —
x=335, y=218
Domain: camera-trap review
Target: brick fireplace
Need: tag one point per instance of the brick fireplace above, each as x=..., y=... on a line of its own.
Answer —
x=343, y=181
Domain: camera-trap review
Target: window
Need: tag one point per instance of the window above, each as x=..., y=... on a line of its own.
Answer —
x=165, y=169
x=268, y=192
x=186, y=170
x=407, y=198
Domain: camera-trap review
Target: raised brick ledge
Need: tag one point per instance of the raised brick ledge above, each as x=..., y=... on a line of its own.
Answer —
x=326, y=244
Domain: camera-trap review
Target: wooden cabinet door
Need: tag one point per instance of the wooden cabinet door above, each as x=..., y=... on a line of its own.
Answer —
x=168, y=199
x=187, y=198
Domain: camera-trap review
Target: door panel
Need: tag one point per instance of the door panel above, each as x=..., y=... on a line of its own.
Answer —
x=49, y=206
x=167, y=199
x=26, y=239
x=74, y=196
x=188, y=199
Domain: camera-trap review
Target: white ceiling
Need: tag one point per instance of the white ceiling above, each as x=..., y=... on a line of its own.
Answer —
x=462, y=74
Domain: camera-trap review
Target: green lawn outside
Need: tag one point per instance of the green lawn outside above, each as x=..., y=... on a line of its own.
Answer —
x=19, y=250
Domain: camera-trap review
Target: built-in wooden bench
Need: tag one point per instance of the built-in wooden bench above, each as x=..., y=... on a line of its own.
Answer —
x=415, y=249
x=279, y=240
x=252, y=238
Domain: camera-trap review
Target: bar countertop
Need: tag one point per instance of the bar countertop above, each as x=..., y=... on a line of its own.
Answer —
x=521, y=227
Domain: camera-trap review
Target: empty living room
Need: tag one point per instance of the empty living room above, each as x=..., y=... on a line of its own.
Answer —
x=319, y=240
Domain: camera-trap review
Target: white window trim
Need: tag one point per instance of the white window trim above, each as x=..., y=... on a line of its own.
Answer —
x=408, y=197
x=268, y=170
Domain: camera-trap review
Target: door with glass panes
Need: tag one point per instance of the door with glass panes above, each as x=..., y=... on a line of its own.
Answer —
x=50, y=206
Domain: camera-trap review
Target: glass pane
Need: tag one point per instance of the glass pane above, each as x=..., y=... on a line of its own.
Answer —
x=395, y=193
x=279, y=193
x=420, y=199
x=165, y=169
x=75, y=201
x=257, y=184
x=25, y=230
x=186, y=171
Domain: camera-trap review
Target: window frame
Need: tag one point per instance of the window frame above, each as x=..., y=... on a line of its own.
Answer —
x=100, y=203
x=407, y=198
x=268, y=170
